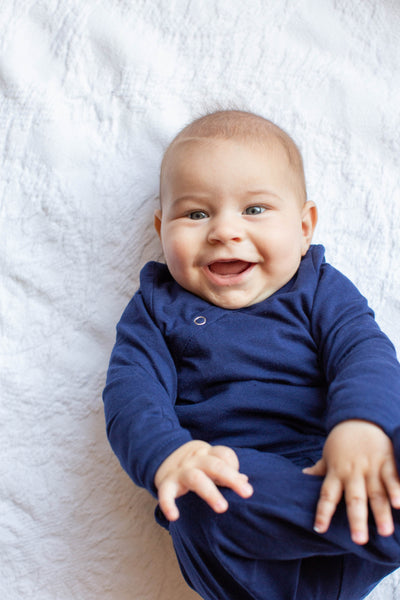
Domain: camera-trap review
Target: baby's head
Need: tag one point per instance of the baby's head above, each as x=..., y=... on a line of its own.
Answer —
x=234, y=220
x=247, y=128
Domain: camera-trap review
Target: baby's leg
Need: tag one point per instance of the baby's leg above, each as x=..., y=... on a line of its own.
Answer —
x=265, y=547
x=280, y=516
x=217, y=574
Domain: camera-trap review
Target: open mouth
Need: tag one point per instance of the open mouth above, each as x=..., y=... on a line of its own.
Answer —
x=229, y=268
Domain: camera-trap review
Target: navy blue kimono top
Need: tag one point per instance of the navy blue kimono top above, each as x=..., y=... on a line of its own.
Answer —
x=276, y=376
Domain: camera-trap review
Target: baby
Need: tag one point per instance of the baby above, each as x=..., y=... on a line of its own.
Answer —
x=250, y=389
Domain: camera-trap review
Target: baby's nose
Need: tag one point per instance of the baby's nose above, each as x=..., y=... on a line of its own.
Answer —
x=225, y=230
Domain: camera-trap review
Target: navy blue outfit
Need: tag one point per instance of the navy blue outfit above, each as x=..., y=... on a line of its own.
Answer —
x=269, y=380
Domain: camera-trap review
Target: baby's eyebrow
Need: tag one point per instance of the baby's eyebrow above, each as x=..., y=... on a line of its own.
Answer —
x=245, y=196
x=189, y=198
x=262, y=193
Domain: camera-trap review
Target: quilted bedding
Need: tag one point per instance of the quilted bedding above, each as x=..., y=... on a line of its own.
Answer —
x=91, y=92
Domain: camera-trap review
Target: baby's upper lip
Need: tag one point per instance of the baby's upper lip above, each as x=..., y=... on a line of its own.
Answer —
x=233, y=259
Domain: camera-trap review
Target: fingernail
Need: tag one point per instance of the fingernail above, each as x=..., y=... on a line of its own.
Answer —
x=221, y=505
x=247, y=489
x=359, y=537
x=318, y=529
x=385, y=530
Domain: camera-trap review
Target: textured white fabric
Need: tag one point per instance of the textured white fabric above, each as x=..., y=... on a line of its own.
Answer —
x=91, y=91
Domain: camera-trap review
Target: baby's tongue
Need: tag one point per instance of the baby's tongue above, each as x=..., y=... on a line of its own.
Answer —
x=233, y=267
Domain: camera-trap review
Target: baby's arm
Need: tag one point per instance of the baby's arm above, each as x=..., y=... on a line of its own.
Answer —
x=199, y=467
x=363, y=377
x=358, y=461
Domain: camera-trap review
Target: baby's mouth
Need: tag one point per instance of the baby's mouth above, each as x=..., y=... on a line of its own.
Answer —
x=229, y=268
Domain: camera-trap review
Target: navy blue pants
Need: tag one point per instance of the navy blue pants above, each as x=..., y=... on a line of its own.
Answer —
x=265, y=548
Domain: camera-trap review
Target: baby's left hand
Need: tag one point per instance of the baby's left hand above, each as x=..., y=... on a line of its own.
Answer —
x=358, y=460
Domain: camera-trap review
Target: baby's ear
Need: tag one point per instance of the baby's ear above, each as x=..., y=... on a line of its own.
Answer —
x=309, y=218
x=157, y=221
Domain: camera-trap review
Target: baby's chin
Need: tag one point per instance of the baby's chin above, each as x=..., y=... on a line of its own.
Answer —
x=231, y=297
x=234, y=300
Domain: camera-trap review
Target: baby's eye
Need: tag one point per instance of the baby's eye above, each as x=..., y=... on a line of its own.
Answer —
x=254, y=210
x=196, y=215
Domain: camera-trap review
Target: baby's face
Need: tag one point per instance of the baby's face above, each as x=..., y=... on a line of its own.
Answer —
x=232, y=228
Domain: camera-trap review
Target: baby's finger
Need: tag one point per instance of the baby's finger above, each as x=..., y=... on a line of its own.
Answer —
x=330, y=496
x=239, y=484
x=200, y=483
x=357, y=509
x=319, y=469
x=391, y=480
x=226, y=454
x=224, y=475
x=167, y=494
x=380, y=506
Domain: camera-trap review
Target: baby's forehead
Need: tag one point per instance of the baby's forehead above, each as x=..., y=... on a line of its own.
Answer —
x=199, y=163
x=183, y=146
x=187, y=152
x=241, y=126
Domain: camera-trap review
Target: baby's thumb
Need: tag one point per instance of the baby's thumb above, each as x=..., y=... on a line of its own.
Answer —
x=318, y=469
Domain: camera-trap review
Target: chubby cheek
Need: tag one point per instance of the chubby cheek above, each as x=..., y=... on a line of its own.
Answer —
x=177, y=252
x=285, y=243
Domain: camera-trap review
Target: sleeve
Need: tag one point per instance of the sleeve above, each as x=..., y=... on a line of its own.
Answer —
x=139, y=397
x=359, y=361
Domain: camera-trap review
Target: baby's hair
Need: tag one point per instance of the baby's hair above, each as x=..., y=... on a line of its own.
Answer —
x=249, y=127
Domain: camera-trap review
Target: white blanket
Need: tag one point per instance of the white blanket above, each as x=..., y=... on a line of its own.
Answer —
x=92, y=90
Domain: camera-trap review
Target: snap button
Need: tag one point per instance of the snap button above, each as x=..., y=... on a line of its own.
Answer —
x=200, y=320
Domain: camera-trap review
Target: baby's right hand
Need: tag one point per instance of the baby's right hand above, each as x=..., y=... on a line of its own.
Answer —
x=199, y=467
